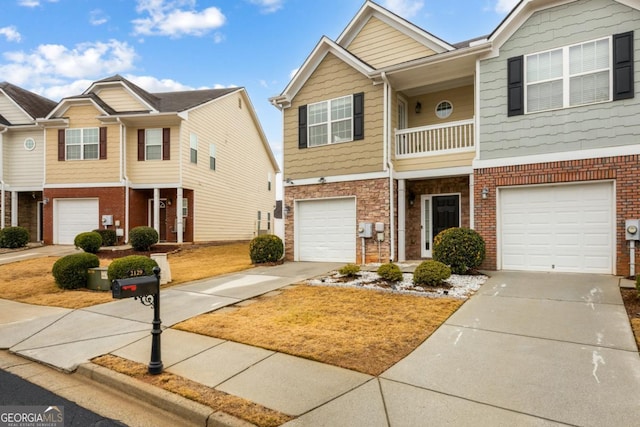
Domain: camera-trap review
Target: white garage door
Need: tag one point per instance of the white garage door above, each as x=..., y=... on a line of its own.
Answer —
x=565, y=228
x=326, y=230
x=72, y=217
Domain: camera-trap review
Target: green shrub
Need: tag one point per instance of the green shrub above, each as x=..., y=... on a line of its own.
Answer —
x=14, y=237
x=142, y=238
x=89, y=241
x=349, y=270
x=462, y=249
x=109, y=237
x=390, y=272
x=70, y=272
x=130, y=266
x=431, y=273
x=266, y=248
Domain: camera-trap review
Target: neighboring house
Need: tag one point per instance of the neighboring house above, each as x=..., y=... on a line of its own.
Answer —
x=194, y=165
x=22, y=158
x=527, y=135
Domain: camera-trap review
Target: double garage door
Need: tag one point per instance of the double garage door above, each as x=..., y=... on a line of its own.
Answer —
x=564, y=228
x=326, y=230
x=72, y=217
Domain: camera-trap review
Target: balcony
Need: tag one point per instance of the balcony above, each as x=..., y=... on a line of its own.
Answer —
x=452, y=137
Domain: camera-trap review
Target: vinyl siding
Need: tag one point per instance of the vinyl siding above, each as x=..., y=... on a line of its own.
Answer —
x=435, y=162
x=380, y=45
x=228, y=199
x=11, y=112
x=153, y=171
x=83, y=171
x=332, y=79
x=121, y=100
x=461, y=98
x=23, y=168
x=579, y=128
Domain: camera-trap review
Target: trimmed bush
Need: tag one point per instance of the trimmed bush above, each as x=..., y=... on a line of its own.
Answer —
x=266, y=248
x=142, y=238
x=131, y=266
x=349, y=270
x=431, y=273
x=462, y=249
x=638, y=284
x=89, y=241
x=109, y=237
x=390, y=272
x=14, y=237
x=70, y=272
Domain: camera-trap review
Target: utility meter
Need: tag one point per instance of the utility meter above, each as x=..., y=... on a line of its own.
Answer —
x=365, y=229
x=632, y=229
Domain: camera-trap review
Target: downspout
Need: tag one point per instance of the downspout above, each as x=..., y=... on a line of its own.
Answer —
x=2, y=183
x=389, y=163
x=123, y=174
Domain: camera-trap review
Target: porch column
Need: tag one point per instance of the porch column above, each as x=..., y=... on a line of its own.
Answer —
x=3, y=207
x=179, y=218
x=472, y=203
x=14, y=208
x=401, y=219
x=156, y=209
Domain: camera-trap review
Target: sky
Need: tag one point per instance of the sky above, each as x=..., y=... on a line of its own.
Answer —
x=57, y=48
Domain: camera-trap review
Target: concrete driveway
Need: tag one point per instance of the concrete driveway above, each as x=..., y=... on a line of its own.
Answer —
x=37, y=252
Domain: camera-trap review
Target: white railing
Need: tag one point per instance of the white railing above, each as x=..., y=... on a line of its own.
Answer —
x=431, y=140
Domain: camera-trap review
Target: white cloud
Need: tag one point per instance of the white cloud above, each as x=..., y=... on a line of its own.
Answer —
x=154, y=84
x=218, y=38
x=175, y=18
x=33, y=3
x=52, y=64
x=98, y=17
x=505, y=6
x=405, y=8
x=11, y=33
x=269, y=6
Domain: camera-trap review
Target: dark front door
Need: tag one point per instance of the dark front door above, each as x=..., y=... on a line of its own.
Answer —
x=446, y=213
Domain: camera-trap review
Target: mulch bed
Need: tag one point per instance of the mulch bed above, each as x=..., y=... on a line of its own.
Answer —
x=631, y=302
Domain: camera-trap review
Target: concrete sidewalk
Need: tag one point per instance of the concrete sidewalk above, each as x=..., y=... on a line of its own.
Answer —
x=527, y=349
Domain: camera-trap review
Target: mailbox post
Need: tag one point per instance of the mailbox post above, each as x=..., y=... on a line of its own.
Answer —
x=147, y=290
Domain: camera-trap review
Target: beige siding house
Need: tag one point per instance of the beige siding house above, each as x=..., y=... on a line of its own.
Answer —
x=194, y=165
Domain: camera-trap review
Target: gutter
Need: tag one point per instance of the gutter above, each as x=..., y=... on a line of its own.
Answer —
x=2, y=183
x=123, y=175
x=389, y=164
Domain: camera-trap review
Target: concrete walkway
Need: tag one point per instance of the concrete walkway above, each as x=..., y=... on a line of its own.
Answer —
x=527, y=349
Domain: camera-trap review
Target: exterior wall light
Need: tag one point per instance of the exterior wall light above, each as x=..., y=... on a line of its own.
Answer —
x=418, y=107
x=485, y=192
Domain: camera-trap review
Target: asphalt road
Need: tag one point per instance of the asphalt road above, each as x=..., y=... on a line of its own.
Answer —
x=15, y=391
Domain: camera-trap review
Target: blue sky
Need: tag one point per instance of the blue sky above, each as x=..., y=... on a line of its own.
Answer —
x=58, y=47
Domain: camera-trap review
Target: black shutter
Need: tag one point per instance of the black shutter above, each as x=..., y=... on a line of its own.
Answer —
x=515, y=86
x=103, y=143
x=166, y=144
x=358, y=116
x=302, y=127
x=61, y=146
x=141, y=155
x=623, y=66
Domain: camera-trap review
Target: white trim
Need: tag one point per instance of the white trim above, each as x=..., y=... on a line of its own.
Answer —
x=149, y=186
x=85, y=185
x=121, y=83
x=66, y=103
x=595, y=153
x=424, y=253
x=435, y=173
x=337, y=178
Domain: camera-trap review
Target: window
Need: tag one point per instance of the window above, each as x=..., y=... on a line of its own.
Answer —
x=185, y=207
x=82, y=144
x=569, y=76
x=444, y=109
x=153, y=144
x=331, y=121
x=269, y=181
x=194, y=148
x=29, y=144
x=212, y=157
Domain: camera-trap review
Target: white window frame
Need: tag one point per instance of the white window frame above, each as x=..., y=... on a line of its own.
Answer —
x=212, y=157
x=82, y=143
x=193, y=148
x=149, y=142
x=329, y=122
x=442, y=113
x=185, y=207
x=566, y=76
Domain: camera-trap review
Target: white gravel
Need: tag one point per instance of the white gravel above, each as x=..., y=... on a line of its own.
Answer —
x=460, y=286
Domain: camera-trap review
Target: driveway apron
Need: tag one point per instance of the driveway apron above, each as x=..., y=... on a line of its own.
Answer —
x=539, y=348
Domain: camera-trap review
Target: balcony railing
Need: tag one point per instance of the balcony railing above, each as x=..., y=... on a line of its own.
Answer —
x=451, y=137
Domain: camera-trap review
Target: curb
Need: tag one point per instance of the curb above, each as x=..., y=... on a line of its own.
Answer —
x=193, y=412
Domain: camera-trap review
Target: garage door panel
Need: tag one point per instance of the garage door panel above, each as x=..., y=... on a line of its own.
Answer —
x=561, y=228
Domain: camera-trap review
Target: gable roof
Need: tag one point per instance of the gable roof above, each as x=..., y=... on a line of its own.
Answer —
x=32, y=104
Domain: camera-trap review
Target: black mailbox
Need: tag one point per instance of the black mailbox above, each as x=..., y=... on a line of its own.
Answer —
x=135, y=287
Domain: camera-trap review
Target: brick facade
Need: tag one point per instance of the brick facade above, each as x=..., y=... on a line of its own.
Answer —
x=372, y=205
x=623, y=170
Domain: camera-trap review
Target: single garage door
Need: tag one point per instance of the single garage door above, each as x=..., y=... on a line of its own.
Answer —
x=72, y=217
x=326, y=230
x=565, y=228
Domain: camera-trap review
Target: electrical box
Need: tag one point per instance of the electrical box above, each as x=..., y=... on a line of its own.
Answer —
x=365, y=229
x=379, y=227
x=632, y=229
x=107, y=220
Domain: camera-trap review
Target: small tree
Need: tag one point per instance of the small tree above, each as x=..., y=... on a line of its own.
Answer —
x=129, y=266
x=431, y=273
x=349, y=270
x=71, y=271
x=390, y=272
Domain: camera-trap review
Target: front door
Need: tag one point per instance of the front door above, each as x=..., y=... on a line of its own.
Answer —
x=438, y=213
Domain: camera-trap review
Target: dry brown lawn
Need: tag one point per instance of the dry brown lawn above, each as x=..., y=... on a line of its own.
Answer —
x=31, y=281
x=363, y=330
x=232, y=405
x=635, y=325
